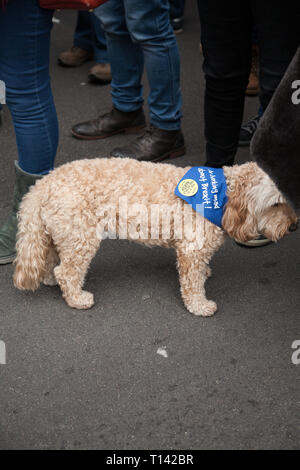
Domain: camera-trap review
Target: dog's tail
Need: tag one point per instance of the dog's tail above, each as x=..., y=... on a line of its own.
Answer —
x=32, y=243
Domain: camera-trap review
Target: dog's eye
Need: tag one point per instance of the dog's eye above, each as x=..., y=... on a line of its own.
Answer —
x=276, y=204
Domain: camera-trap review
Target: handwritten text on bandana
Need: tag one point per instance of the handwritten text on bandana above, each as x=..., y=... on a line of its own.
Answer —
x=204, y=188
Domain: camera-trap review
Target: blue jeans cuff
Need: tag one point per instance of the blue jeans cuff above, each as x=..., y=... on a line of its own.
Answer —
x=167, y=126
x=127, y=107
x=101, y=57
x=86, y=45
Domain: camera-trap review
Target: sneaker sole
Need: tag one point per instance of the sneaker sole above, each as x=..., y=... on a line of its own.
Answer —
x=254, y=243
x=128, y=130
x=7, y=259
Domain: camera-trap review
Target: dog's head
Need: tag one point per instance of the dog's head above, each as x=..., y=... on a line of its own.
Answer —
x=255, y=206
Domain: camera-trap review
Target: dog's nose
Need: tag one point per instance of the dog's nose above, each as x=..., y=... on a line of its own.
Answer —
x=293, y=227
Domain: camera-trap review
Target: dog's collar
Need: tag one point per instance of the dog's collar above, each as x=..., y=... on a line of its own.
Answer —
x=204, y=188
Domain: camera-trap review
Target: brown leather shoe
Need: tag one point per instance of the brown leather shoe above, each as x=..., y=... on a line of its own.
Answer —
x=114, y=122
x=100, y=73
x=74, y=57
x=253, y=84
x=154, y=145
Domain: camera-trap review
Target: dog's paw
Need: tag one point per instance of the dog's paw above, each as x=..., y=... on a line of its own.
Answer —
x=82, y=301
x=200, y=308
x=50, y=280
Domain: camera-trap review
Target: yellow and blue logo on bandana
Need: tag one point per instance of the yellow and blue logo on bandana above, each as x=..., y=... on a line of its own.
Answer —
x=204, y=188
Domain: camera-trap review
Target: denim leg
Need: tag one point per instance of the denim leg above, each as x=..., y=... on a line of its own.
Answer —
x=90, y=36
x=24, y=67
x=149, y=26
x=126, y=58
x=176, y=8
x=99, y=41
x=83, y=36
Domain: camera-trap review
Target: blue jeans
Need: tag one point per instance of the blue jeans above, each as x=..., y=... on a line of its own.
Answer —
x=176, y=8
x=24, y=67
x=90, y=36
x=138, y=32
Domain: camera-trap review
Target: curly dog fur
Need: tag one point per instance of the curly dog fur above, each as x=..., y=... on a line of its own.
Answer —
x=58, y=218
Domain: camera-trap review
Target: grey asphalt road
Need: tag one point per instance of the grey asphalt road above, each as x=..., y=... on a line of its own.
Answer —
x=93, y=379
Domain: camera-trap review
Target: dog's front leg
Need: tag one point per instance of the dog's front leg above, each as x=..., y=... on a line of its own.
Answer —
x=193, y=271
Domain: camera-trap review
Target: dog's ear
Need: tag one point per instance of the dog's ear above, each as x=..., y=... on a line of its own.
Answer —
x=237, y=220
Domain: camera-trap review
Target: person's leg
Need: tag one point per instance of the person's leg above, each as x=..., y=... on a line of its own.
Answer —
x=249, y=128
x=149, y=26
x=176, y=15
x=176, y=8
x=83, y=36
x=126, y=58
x=279, y=36
x=278, y=39
x=127, y=64
x=83, y=44
x=226, y=39
x=101, y=71
x=253, y=84
x=99, y=41
x=24, y=67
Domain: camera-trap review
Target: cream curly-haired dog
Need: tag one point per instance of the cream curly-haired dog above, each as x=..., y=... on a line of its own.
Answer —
x=58, y=220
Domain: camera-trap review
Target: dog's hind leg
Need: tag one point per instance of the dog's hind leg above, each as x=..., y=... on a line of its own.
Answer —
x=75, y=256
x=51, y=262
x=193, y=272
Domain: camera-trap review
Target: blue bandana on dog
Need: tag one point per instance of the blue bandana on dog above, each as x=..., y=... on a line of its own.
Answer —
x=204, y=188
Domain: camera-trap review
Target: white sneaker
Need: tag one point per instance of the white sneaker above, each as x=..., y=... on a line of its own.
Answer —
x=256, y=242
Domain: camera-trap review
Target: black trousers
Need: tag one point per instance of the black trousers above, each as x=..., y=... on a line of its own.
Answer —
x=226, y=37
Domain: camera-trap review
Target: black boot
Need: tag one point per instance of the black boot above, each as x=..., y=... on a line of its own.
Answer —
x=114, y=122
x=155, y=145
x=8, y=231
